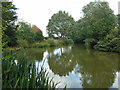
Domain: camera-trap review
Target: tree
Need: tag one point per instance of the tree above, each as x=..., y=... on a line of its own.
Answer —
x=9, y=28
x=25, y=32
x=39, y=36
x=60, y=24
x=38, y=33
x=100, y=19
x=80, y=30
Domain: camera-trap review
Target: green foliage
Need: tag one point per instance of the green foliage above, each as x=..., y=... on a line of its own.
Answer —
x=41, y=44
x=110, y=43
x=100, y=19
x=25, y=32
x=8, y=23
x=22, y=43
x=51, y=42
x=60, y=24
x=97, y=21
x=39, y=36
x=90, y=42
x=68, y=41
x=60, y=42
x=98, y=26
x=23, y=74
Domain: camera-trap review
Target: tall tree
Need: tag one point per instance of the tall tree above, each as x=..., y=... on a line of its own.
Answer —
x=9, y=16
x=60, y=24
x=25, y=32
x=100, y=19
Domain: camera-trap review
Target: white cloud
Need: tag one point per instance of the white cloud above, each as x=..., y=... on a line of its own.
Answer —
x=38, y=12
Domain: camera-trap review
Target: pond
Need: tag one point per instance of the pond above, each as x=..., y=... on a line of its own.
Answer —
x=78, y=67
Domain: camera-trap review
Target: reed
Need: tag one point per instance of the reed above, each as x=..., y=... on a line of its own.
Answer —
x=24, y=74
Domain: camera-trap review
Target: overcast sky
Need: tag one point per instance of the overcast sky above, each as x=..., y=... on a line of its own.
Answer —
x=38, y=12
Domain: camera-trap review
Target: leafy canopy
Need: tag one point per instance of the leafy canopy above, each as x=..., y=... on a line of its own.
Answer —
x=60, y=24
x=9, y=16
x=98, y=19
x=25, y=32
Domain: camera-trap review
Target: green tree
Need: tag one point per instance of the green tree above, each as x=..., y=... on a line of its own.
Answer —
x=39, y=36
x=80, y=30
x=98, y=19
x=25, y=32
x=9, y=28
x=60, y=24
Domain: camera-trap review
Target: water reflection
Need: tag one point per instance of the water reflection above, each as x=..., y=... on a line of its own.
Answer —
x=78, y=66
x=98, y=69
x=61, y=61
x=34, y=53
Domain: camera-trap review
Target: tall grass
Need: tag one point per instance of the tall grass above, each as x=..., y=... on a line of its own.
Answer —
x=23, y=74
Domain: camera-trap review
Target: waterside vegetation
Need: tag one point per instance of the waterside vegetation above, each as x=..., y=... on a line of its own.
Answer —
x=98, y=28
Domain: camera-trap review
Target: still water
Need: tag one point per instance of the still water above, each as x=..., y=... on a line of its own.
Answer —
x=78, y=67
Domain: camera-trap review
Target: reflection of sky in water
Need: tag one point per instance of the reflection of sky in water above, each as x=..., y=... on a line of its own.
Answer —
x=57, y=52
x=72, y=80
x=115, y=84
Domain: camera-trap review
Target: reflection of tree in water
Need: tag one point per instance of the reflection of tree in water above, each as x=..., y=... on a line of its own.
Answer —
x=34, y=53
x=37, y=53
x=98, y=69
x=61, y=61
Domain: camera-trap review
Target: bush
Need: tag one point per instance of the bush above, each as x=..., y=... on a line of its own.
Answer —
x=68, y=41
x=108, y=45
x=46, y=44
x=102, y=46
x=41, y=44
x=22, y=43
x=38, y=45
x=60, y=42
x=51, y=42
x=90, y=42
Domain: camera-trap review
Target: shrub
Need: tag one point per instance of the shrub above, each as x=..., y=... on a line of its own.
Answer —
x=68, y=41
x=46, y=44
x=90, y=42
x=38, y=45
x=22, y=43
x=60, y=42
x=51, y=42
x=108, y=45
x=41, y=44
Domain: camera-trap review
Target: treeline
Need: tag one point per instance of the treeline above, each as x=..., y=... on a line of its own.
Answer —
x=20, y=34
x=23, y=34
x=98, y=28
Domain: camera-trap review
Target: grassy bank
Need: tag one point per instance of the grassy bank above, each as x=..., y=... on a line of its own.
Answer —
x=44, y=43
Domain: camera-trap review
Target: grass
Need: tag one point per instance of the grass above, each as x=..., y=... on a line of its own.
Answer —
x=24, y=74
